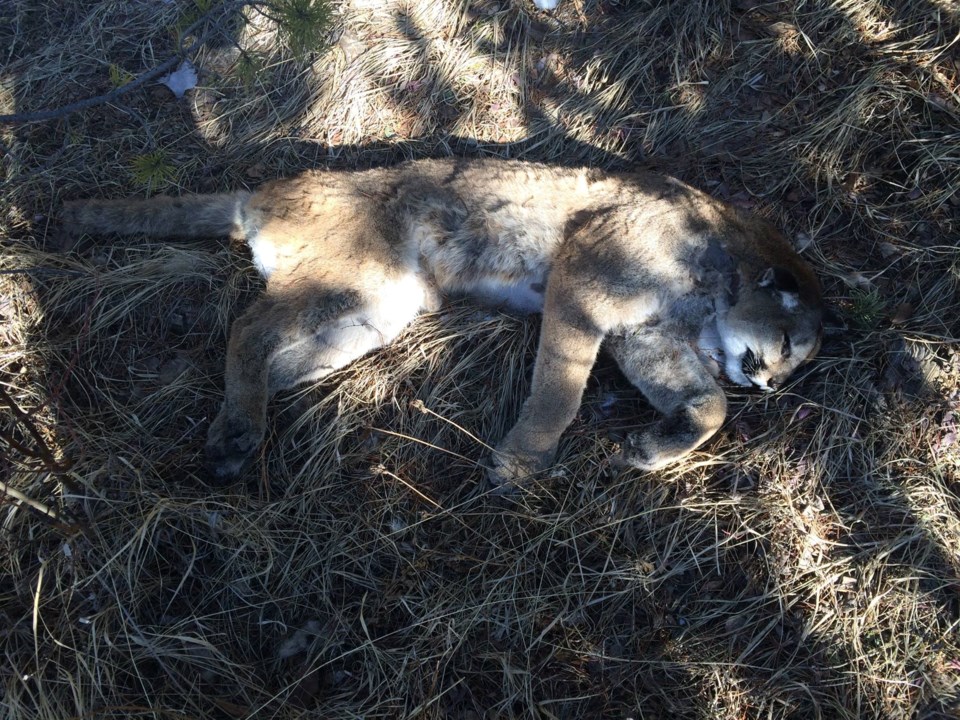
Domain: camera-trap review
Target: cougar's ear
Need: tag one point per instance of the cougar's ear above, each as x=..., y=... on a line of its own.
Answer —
x=783, y=282
x=779, y=279
x=832, y=324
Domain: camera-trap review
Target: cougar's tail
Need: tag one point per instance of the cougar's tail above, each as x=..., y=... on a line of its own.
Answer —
x=188, y=216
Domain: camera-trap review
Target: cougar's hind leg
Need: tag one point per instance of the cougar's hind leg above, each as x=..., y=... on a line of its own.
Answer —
x=671, y=376
x=270, y=325
x=329, y=332
x=289, y=338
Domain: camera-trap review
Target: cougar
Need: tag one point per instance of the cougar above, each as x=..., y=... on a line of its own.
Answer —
x=680, y=287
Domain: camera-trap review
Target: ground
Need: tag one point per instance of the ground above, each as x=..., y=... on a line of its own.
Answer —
x=803, y=564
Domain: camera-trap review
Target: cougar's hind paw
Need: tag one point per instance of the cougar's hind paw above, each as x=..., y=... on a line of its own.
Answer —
x=230, y=445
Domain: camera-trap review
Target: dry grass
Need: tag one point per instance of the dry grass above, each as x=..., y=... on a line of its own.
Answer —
x=804, y=564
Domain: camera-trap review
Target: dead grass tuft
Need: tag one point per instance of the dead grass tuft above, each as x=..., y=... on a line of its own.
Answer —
x=803, y=564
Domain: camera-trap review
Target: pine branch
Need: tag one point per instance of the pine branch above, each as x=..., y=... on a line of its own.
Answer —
x=60, y=112
x=165, y=67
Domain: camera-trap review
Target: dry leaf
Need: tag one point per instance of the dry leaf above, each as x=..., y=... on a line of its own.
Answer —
x=172, y=369
x=256, y=171
x=858, y=280
x=888, y=250
x=803, y=241
x=903, y=313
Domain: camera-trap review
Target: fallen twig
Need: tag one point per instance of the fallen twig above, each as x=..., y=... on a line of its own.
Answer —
x=166, y=66
x=42, y=451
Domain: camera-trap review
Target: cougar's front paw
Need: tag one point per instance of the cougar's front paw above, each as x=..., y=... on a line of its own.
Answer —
x=230, y=443
x=510, y=469
x=639, y=451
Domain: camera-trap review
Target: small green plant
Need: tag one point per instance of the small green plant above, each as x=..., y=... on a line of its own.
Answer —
x=193, y=13
x=118, y=76
x=152, y=170
x=248, y=67
x=866, y=308
x=303, y=24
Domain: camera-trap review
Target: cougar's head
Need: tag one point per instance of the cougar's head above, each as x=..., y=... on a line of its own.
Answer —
x=773, y=326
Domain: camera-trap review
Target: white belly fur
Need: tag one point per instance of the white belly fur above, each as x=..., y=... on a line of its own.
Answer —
x=519, y=295
x=264, y=255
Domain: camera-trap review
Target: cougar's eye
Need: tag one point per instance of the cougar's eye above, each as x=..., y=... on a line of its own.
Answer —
x=751, y=363
x=785, y=348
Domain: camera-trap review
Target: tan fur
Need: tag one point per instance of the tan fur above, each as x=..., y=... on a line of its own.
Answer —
x=652, y=265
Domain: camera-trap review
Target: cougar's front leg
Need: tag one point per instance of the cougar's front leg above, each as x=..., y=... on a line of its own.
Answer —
x=568, y=348
x=669, y=373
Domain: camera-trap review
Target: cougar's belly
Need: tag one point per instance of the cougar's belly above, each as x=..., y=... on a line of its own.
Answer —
x=500, y=259
x=524, y=295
